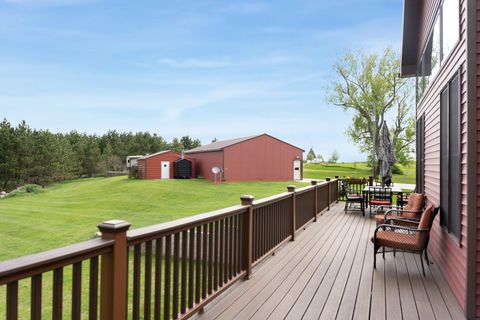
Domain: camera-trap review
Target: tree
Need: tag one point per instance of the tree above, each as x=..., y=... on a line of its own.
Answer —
x=334, y=157
x=311, y=154
x=320, y=157
x=370, y=86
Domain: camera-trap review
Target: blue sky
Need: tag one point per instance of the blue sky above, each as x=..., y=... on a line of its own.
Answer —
x=209, y=69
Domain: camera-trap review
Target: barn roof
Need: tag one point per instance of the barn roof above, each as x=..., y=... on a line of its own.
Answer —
x=220, y=145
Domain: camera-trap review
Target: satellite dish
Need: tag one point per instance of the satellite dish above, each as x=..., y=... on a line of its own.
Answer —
x=215, y=170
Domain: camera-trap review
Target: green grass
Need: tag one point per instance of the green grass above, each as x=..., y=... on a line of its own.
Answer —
x=69, y=212
x=354, y=169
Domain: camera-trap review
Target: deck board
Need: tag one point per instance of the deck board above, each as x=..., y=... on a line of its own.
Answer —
x=327, y=273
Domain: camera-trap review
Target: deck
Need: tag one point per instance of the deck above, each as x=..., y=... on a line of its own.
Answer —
x=327, y=273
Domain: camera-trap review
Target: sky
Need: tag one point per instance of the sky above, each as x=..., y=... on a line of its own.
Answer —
x=209, y=69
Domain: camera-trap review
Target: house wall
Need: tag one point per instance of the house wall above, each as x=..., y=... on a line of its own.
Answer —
x=205, y=161
x=449, y=254
x=150, y=168
x=262, y=158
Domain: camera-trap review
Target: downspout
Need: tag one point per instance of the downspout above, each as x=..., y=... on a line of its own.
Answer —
x=471, y=281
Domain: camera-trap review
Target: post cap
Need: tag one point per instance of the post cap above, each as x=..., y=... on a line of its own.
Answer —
x=247, y=199
x=327, y=179
x=291, y=188
x=313, y=182
x=113, y=226
x=336, y=177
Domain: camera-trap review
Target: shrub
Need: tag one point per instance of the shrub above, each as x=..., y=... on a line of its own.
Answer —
x=28, y=188
x=396, y=169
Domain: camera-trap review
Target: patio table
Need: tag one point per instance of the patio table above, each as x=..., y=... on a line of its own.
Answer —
x=367, y=190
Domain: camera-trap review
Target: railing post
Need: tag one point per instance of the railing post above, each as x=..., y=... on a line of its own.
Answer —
x=315, y=202
x=329, y=192
x=247, y=200
x=113, y=283
x=291, y=189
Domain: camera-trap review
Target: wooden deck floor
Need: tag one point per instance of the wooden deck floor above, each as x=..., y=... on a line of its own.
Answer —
x=327, y=273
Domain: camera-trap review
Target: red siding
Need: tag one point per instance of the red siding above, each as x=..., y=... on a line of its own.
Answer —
x=447, y=253
x=478, y=162
x=150, y=168
x=261, y=158
x=205, y=161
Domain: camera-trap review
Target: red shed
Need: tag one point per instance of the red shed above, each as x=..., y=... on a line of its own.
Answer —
x=260, y=157
x=160, y=165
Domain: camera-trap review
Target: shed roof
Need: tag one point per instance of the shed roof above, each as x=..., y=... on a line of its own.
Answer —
x=411, y=30
x=156, y=154
x=220, y=145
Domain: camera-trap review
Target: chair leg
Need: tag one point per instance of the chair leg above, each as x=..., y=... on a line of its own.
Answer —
x=394, y=252
x=426, y=257
x=421, y=262
x=375, y=256
x=346, y=205
x=383, y=253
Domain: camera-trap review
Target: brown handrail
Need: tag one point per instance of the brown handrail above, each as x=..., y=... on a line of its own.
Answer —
x=27, y=266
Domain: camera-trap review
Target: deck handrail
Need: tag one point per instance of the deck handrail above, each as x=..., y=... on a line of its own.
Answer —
x=198, y=256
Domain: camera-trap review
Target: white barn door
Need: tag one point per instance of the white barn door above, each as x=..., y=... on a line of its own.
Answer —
x=165, y=169
x=297, y=172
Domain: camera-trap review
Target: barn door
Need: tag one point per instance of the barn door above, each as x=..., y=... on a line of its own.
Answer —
x=297, y=172
x=165, y=169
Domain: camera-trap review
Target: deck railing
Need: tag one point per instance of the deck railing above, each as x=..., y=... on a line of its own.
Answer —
x=166, y=271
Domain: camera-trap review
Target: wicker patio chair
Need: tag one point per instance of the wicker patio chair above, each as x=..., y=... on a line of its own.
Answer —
x=412, y=210
x=353, y=189
x=379, y=197
x=394, y=234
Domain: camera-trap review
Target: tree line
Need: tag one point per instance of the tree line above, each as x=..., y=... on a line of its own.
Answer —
x=41, y=157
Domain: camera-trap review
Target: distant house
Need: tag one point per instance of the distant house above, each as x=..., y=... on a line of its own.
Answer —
x=260, y=157
x=166, y=165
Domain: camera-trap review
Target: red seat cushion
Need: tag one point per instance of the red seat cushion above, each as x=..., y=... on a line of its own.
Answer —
x=380, y=202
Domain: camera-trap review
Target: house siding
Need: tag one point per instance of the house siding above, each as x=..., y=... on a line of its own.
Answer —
x=477, y=164
x=261, y=158
x=448, y=253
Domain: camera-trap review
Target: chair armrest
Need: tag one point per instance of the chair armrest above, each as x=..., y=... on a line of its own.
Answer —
x=410, y=221
x=400, y=212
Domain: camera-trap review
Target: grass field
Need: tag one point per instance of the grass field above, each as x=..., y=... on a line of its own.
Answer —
x=355, y=169
x=69, y=212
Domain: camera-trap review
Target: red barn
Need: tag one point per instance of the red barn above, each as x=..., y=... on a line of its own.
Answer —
x=260, y=157
x=161, y=165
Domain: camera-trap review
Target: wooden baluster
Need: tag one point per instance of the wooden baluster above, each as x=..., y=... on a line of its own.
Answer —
x=147, y=296
x=12, y=300
x=210, y=258
x=198, y=256
x=183, y=280
x=215, y=259
x=114, y=271
x=93, y=290
x=77, y=291
x=158, y=278
x=205, y=260
x=137, y=256
x=191, y=266
x=176, y=254
x=57, y=294
x=315, y=201
x=36, y=298
x=222, y=253
x=168, y=262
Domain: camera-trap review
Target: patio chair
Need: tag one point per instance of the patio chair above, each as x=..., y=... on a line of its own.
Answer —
x=379, y=196
x=412, y=210
x=402, y=199
x=352, y=189
x=394, y=234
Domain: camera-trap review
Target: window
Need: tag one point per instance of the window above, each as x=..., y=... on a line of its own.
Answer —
x=450, y=157
x=451, y=25
x=442, y=39
x=420, y=140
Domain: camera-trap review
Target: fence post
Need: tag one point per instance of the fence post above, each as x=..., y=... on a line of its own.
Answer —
x=114, y=268
x=315, y=203
x=329, y=192
x=247, y=200
x=291, y=189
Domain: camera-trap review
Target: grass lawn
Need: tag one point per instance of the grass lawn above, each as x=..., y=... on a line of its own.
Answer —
x=355, y=169
x=69, y=212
